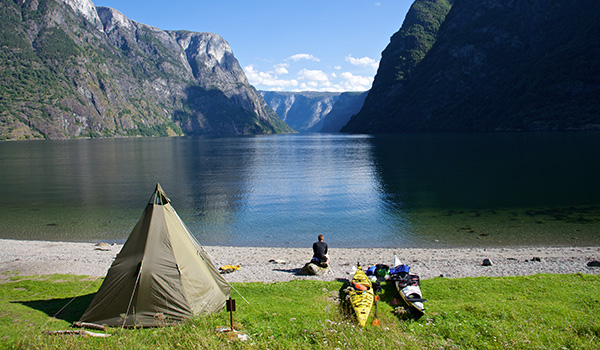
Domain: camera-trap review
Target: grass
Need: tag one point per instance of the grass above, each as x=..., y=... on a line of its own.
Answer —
x=534, y=312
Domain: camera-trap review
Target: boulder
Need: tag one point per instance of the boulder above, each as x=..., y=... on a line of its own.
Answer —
x=313, y=269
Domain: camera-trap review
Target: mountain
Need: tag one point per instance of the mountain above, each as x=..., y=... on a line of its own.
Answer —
x=311, y=111
x=347, y=105
x=303, y=111
x=494, y=65
x=69, y=69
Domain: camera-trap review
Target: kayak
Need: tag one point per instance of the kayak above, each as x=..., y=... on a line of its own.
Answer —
x=361, y=296
x=410, y=292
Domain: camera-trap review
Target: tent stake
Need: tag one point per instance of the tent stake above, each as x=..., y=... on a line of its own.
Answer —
x=231, y=309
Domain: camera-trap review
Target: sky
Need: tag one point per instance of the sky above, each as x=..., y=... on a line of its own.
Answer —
x=287, y=45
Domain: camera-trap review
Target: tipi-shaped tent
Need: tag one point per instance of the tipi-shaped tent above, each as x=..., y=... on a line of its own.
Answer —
x=161, y=276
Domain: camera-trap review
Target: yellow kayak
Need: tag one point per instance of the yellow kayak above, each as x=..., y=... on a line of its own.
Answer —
x=361, y=300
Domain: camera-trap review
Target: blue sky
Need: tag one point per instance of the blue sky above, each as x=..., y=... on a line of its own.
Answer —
x=287, y=45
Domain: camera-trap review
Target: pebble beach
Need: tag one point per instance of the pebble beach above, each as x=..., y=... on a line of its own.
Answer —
x=31, y=258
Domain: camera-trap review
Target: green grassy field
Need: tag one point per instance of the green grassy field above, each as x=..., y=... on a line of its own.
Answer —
x=534, y=312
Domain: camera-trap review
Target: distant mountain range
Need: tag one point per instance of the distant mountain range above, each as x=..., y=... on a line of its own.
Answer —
x=70, y=69
x=311, y=111
x=302, y=111
x=494, y=65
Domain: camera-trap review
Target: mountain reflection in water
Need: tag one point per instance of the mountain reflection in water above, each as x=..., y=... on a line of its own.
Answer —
x=282, y=190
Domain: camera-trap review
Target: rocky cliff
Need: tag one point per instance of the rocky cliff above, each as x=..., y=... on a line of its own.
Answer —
x=493, y=65
x=303, y=111
x=69, y=69
x=347, y=105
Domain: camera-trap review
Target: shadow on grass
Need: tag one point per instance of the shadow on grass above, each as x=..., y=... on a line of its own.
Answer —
x=345, y=307
x=67, y=309
x=390, y=296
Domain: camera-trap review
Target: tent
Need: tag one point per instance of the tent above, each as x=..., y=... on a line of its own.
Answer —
x=161, y=275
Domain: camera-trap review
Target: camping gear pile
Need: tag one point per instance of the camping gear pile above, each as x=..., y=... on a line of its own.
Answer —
x=362, y=290
x=407, y=285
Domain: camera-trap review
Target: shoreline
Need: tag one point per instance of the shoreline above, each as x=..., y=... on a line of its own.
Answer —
x=268, y=264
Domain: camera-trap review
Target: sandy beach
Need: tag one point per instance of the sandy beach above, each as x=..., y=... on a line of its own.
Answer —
x=26, y=258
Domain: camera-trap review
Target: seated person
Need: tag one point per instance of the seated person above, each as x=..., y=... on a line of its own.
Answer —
x=320, y=252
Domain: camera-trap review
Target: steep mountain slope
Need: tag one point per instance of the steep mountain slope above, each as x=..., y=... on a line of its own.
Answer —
x=347, y=105
x=69, y=69
x=405, y=51
x=303, y=111
x=495, y=65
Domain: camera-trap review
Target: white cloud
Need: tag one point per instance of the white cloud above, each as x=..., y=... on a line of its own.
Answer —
x=362, y=62
x=351, y=82
x=311, y=85
x=281, y=68
x=313, y=75
x=269, y=79
x=281, y=77
x=302, y=56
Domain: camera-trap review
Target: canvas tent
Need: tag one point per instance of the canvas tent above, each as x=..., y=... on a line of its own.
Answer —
x=161, y=275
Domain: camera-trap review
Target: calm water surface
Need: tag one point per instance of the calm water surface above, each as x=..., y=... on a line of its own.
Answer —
x=359, y=191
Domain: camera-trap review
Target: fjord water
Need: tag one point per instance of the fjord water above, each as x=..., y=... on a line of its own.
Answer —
x=359, y=191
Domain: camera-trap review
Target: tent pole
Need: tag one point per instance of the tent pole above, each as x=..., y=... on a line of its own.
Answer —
x=137, y=280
